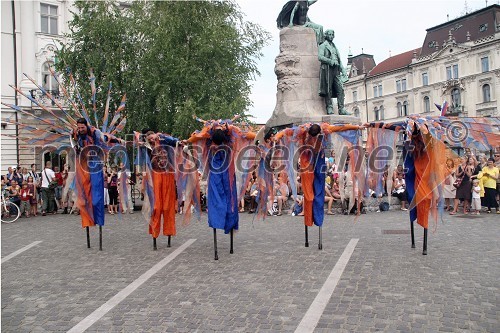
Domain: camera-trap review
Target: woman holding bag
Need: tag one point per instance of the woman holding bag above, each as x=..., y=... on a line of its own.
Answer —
x=463, y=185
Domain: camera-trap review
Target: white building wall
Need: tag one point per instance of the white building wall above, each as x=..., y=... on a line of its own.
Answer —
x=8, y=144
x=471, y=80
x=33, y=49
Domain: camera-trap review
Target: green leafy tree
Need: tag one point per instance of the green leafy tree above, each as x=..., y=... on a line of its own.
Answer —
x=172, y=58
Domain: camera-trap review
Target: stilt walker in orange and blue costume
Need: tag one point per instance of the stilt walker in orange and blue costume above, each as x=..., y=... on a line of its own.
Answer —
x=220, y=142
x=160, y=179
x=310, y=138
x=89, y=142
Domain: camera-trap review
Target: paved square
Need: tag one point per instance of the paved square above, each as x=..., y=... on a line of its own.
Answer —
x=268, y=284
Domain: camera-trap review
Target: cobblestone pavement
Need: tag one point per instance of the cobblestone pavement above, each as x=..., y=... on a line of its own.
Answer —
x=268, y=284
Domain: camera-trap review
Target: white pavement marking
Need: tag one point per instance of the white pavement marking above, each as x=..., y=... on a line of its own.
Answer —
x=12, y=255
x=115, y=300
x=312, y=316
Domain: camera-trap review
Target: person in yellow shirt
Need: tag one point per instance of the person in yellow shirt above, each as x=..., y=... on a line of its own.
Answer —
x=488, y=177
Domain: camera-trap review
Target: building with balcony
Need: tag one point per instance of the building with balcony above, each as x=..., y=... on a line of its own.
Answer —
x=31, y=33
x=458, y=62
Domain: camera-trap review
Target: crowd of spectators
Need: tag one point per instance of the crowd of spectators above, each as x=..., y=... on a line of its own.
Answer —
x=474, y=182
x=48, y=191
x=473, y=185
x=478, y=184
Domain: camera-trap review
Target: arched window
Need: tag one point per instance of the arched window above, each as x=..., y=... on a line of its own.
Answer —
x=400, y=109
x=381, y=110
x=377, y=114
x=405, y=108
x=48, y=81
x=486, y=93
x=455, y=98
x=427, y=104
x=356, y=112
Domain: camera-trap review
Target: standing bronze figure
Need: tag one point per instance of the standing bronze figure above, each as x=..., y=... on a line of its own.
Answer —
x=332, y=74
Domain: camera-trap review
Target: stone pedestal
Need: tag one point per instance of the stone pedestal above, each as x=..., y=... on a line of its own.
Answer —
x=297, y=68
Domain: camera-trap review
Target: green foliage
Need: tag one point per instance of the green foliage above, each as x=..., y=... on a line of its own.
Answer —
x=173, y=59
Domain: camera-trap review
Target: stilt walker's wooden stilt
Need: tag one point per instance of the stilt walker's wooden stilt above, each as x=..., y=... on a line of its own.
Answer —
x=231, y=249
x=215, y=244
x=88, y=237
x=100, y=238
x=412, y=235
x=307, y=237
x=320, y=244
x=168, y=244
x=424, y=252
x=154, y=244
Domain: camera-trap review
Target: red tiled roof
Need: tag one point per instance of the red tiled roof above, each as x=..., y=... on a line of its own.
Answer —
x=395, y=62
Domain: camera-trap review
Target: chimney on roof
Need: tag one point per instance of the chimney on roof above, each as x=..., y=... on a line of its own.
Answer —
x=390, y=55
x=414, y=58
x=447, y=17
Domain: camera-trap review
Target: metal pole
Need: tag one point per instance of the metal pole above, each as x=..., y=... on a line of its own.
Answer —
x=424, y=252
x=231, y=250
x=215, y=244
x=320, y=244
x=14, y=39
x=307, y=238
x=88, y=237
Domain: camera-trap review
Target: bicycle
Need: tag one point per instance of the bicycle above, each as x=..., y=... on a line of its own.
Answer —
x=10, y=211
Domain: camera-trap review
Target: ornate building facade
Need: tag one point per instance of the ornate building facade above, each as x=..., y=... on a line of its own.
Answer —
x=31, y=33
x=459, y=62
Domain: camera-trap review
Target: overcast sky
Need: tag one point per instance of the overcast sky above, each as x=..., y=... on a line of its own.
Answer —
x=379, y=27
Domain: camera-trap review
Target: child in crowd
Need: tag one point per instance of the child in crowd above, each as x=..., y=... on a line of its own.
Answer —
x=476, y=197
x=14, y=193
x=33, y=199
x=298, y=208
x=26, y=194
x=399, y=190
x=113, y=191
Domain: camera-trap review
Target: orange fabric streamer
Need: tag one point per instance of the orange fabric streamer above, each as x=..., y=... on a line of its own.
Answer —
x=83, y=189
x=430, y=175
x=307, y=179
